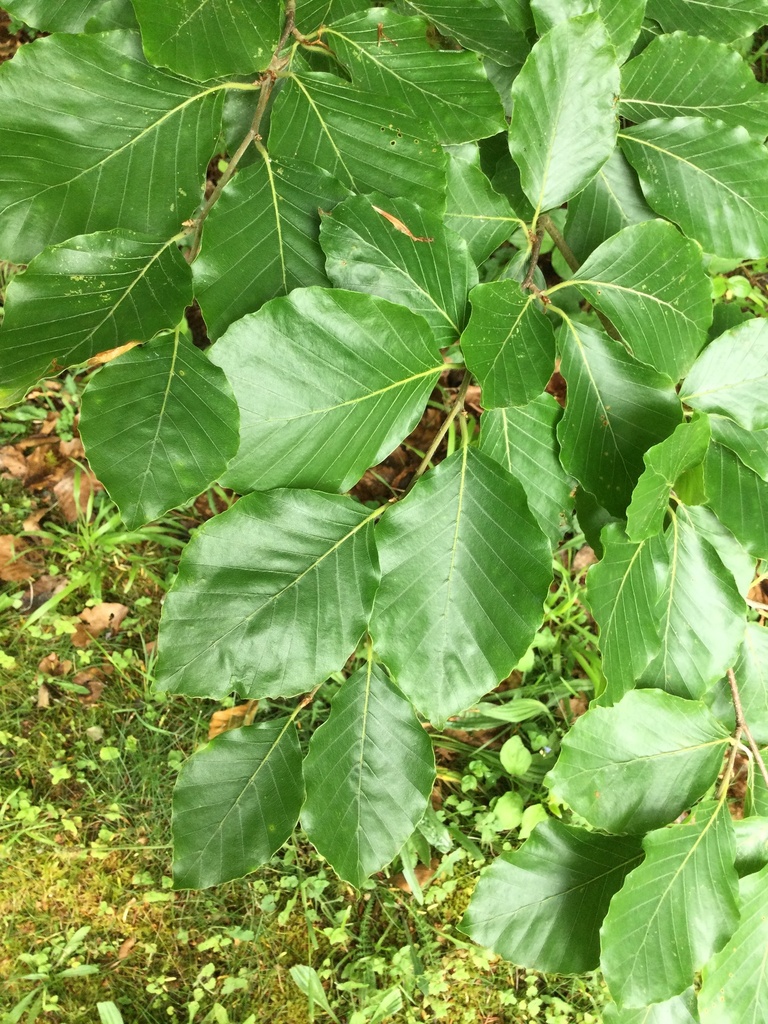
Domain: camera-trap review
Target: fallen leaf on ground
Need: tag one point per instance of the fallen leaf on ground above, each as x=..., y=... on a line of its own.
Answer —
x=17, y=561
x=64, y=490
x=43, y=697
x=94, y=621
x=13, y=463
x=583, y=558
x=94, y=680
x=126, y=948
x=33, y=520
x=423, y=872
x=52, y=665
x=41, y=590
x=232, y=718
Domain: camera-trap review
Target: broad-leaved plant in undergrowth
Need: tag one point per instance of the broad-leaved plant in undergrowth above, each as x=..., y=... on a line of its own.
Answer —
x=376, y=159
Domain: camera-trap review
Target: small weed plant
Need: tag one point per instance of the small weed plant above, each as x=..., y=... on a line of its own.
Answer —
x=535, y=196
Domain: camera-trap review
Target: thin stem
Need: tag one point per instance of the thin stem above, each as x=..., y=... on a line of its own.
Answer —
x=267, y=84
x=556, y=235
x=742, y=727
x=536, y=240
x=456, y=408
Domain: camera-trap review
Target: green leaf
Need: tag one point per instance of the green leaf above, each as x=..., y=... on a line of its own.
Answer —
x=622, y=18
x=159, y=425
x=617, y=408
x=726, y=20
x=307, y=980
x=611, y=201
x=734, y=986
x=95, y=128
x=751, y=671
x=84, y=296
x=480, y=26
x=664, y=463
x=482, y=217
x=261, y=239
x=708, y=178
x=739, y=498
x=564, y=119
x=751, y=446
x=257, y=607
x=392, y=248
x=737, y=561
x=524, y=441
x=465, y=569
x=112, y=15
x=637, y=765
x=311, y=14
x=509, y=344
x=236, y=801
x=682, y=898
x=515, y=757
x=209, y=39
x=623, y=591
x=54, y=15
x=650, y=283
x=685, y=76
x=370, y=771
x=391, y=56
x=700, y=615
x=677, y=1010
x=542, y=906
x=751, y=844
x=730, y=376
x=369, y=144
x=328, y=383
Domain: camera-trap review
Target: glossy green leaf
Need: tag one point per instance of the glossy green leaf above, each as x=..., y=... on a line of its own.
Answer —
x=210, y=39
x=650, y=283
x=617, y=409
x=637, y=765
x=481, y=26
x=370, y=771
x=725, y=20
x=751, y=446
x=682, y=898
x=328, y=383
x=751, y=671
x=391, y=56
x=103, y=141
x=236, y=801
x=257, y=607
x=623, y=591
x=84, y=296
x=677, y=1010
x=515, y=757
x=311, y=14
x=465, y=569
x=524, y=441
x=700, y=616
x=737, y=561
x=542, y=906
x=734, y=986
x=751, y=835
x=509, y=344
x=474, y=210
x=685, y=76
x=708, y=178
x=394, y=249
x=369, y=144
x=564, y=118
x=54, y=15
x=159, y=425
x=622, y=18
x=739, y=498
x=611, y=201
x=664, y=463
x=112, y=15
x=730, y=376
x=261, y=239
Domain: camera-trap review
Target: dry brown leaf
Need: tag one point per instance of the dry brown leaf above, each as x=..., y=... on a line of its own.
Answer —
x=94, y=621
x=111, y=353
x=41, y=590
x=397, y=223
x=52, y=665
x=72, y=449
x=126, y=947
x=94, y=680
x=32, y=521
x=65, y=492
x=232, y=718
x=17, y=561
x=424, y=875
x=43, y=696
x=583, y=558
x=13, y=463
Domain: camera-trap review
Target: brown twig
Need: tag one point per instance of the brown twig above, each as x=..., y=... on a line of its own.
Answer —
x=743, y=728
x=536, y=239
x=557, y=237
x=456, y=408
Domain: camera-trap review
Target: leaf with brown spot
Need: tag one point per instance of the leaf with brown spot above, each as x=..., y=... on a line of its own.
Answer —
x=232, y=718
x=397, y=223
